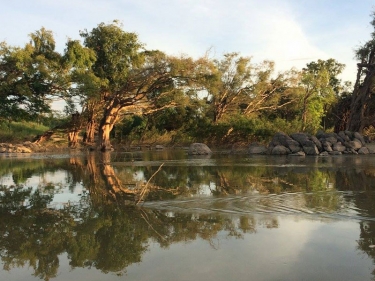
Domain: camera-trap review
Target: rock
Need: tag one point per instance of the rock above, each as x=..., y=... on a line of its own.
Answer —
x=199, y=149
x=159, y=147
x=310, y=148
x=363, y=150
x=334, y=153
x=322, y=144
x=280, y=150
x=280, y=139
x=316, y=142
x=354, y=144
x=359, y=137
x=327, y=146
x=350, y=151
x=293, y=146
x=301, y=138
x=338, y=147
x=299, y=153
x=23, y=149
x=344, y=136
x=332, y=140
x=349, y=134
x=320, y=134
x=256, y=148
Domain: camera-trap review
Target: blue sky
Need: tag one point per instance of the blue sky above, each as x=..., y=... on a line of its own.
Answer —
x=289, y=32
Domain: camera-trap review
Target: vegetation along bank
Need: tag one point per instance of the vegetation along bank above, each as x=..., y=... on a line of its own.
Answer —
x=117, y=93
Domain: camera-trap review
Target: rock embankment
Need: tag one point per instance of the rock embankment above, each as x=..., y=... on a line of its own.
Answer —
x=322, y=144
x=26, y=147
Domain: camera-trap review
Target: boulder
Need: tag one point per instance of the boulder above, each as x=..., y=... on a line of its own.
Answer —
x=280, y=150
x=350, y=151
x=316, y=142
x=301, y=138
x=354, y=144
x=280, y=139
x=199, y=149
x=293, y=146
x=299, y=153
x=335, y=153
x=22, y=149
x=310, y=148
x=332, y=140
x=338, y=146
x=363, y=150
x=344, y=136
x=359, y=137
x=326, y=146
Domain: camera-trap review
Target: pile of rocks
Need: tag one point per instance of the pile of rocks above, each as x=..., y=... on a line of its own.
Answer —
x=26, y=147
x=344, y=142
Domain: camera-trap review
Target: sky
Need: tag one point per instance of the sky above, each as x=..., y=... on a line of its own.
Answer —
x=291, y=33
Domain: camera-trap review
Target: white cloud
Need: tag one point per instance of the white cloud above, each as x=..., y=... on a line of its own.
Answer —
x=284, y=31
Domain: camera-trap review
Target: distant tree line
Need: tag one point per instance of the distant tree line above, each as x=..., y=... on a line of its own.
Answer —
x=130, y=93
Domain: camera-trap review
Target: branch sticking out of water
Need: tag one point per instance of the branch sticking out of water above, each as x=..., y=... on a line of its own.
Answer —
x=145, y=188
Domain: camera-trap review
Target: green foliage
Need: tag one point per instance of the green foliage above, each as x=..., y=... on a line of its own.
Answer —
x=30, y=77
x=116, y=52
x=20, y=131
x=159, y=96
x=320, y=89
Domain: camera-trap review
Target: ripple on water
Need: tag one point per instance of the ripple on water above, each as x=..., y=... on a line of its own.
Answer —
x=332, y=204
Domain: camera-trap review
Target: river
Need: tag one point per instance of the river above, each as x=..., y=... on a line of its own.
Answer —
x=164, y=215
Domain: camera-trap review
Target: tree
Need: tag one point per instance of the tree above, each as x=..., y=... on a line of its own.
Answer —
x=236, y=85
x=230, y=76
x=319, y=90
x=30, y=77
x=87, y=85
x=362, y=103
x=130, y=79
x=267, y=92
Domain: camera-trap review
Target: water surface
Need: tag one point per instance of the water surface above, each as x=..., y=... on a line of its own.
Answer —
x=162, y=215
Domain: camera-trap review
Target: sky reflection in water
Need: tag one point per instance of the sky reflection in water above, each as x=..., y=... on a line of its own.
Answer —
x=221, y=218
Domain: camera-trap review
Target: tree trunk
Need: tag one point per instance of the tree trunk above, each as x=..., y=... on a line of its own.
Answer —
x=73, y=138
x=103, y=138
x=304, y=114
x=90, y=131
x=360, y=117
x=105, y=127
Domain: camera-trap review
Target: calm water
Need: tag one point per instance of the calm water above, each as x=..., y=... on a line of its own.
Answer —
x=166, y=216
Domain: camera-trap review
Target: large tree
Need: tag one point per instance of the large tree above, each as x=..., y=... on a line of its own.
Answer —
x=362, y=106
x=128, y=78
x=320, y=88
x=237, y=85
x=30, y=77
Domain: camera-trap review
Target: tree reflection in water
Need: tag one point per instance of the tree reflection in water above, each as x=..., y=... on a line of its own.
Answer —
x=106, y=231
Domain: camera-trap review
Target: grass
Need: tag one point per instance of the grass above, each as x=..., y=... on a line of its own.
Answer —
x=20, y=131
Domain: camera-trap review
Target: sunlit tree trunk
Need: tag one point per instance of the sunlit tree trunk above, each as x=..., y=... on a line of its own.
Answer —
x=74, y=130
x=105, y=127
x=90, y=131
x=73, y=138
